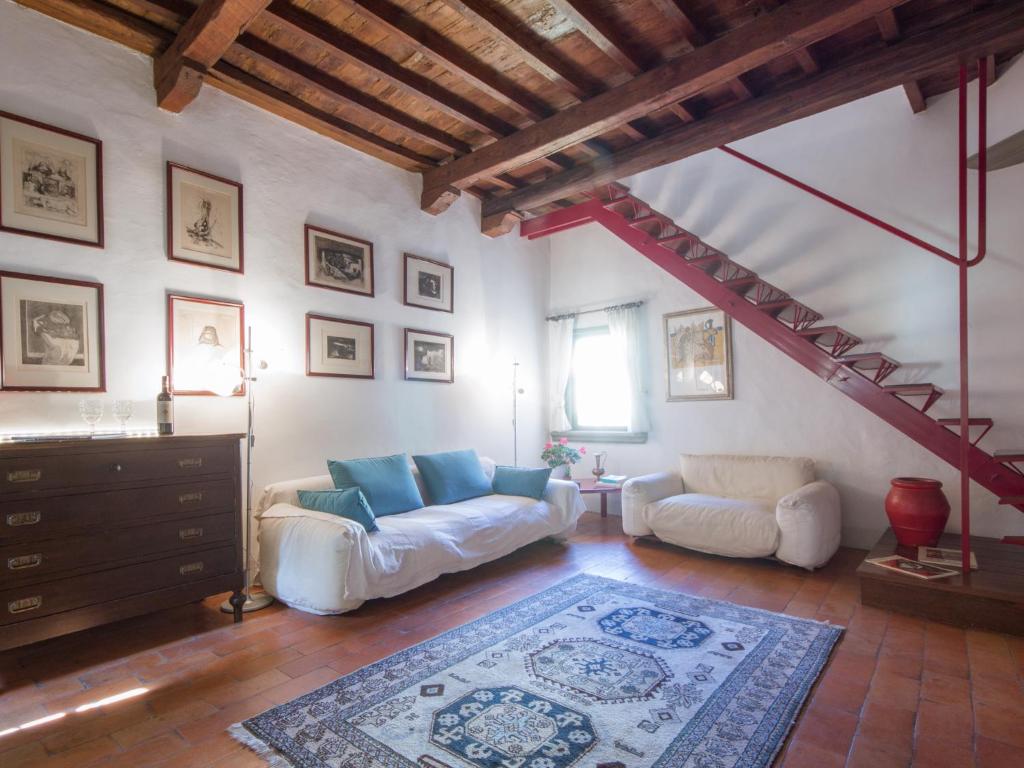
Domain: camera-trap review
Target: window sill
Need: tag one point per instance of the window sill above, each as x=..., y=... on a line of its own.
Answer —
x=601, y=436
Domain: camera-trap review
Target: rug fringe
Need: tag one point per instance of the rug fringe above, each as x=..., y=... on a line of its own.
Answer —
x=273, y=758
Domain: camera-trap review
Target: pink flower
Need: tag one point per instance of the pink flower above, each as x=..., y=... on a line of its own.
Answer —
x=583, y=450
x=548, y=445
x=564, y=441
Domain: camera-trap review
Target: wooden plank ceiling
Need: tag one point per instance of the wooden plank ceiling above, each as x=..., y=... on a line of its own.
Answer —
x=527, y=104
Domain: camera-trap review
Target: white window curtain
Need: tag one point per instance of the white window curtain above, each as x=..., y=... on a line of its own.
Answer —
x=560, y=340
x=625, y=327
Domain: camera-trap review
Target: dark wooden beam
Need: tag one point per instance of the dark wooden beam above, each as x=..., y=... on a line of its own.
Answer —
x=586, y=17
x=915, y=96
x=889, y=29
x=984, y=32
x=794, y=25
x=211, y=29
x=676, y=13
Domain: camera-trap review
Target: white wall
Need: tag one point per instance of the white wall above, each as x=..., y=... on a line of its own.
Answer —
x=290, y=176
x=876, y=154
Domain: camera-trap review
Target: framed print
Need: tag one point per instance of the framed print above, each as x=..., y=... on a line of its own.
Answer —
x=337, y=347
x=698, y=351
x=51, y=334
x=429, y=284
x=429, y=356
x=205, y=345
x=51, y=182
x=339, y=262
x=204, y=219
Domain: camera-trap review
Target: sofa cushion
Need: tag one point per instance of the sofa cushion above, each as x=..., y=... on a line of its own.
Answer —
x=745, y=477
x=520, y=481
x=732, y=527
x=349, y=503
x=453, y=476
x=386, y=481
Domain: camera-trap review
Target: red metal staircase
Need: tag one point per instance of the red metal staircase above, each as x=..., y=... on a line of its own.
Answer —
x=792, y=327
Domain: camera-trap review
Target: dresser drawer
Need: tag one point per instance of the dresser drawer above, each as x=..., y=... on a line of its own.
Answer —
x=63, y=516
x=32, y=601
x=41, y=473
x=29, y=561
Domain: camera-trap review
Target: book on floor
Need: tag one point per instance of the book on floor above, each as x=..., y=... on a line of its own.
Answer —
x=909, y=567
x=952, y=558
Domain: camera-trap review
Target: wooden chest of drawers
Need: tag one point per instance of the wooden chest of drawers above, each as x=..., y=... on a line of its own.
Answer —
x=92, y=531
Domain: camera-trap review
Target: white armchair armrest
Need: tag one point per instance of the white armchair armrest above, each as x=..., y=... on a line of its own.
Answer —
x=638, y=492
x=810, y=522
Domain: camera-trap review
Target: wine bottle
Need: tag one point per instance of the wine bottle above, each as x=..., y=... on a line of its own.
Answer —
x=165, y=409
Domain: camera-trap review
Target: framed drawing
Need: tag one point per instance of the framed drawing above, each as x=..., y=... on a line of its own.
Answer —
x=429, y=284
x=339, y=262
x=51, y=334
x=429, y=356
x=205, y=345
x=51, y=182
x=337, y=347
x=698, y=350
x=204, y=219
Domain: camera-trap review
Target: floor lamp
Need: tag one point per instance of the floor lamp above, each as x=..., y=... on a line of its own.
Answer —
x=262, y=599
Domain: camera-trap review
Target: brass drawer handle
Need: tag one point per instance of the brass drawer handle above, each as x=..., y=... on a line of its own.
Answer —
x=188, y=498
x=189, y=568
x=25, y=604
x=25, y=476
x=185, y=534
x=23, y=518
x=21, y=562
x=190, y=463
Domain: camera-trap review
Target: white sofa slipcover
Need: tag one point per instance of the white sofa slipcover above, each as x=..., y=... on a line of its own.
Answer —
x=322, y=563
x=738, y=506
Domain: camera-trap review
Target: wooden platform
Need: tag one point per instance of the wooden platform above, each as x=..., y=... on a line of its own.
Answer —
x=991, y=597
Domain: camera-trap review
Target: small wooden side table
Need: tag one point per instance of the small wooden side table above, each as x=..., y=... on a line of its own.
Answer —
x=604, y=489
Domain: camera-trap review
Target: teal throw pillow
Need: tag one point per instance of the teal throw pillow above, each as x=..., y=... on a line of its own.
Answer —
x=520, y=481
x=453, y=476
x=386, y=481
x=348, y=503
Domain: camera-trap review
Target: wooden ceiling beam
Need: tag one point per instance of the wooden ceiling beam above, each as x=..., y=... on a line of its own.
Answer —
x=201, y=42
x=984, y=32
x=676, y=13
x=105, y=21
x=794, y=25
x=339, y=45
x=433, y=45
x=889, y=29
x=599, y=31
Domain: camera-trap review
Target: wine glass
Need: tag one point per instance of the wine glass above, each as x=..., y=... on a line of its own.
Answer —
x=91, y=411
x=123, y=412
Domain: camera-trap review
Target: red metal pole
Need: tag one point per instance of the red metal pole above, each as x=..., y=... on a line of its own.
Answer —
x=965, y=442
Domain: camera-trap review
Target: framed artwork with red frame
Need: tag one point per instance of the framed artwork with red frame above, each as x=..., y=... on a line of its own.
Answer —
x=205, y=346
x=429, y=356
x=51, y=334
x=339, y=262
x=204, y=219
x=428, y=284
x=338, y=347
x=51, y=182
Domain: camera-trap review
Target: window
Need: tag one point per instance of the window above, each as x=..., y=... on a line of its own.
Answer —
x=598, y=392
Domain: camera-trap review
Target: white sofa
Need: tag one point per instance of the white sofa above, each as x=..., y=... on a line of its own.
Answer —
x=323, y=563
x=738, y=506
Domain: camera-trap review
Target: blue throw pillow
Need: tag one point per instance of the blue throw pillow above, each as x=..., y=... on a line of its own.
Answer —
x=519, y=481
x=348, y=503
x=386, y=481
x=453, y=476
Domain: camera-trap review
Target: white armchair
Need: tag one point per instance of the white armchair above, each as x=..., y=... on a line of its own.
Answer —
x=738, y=506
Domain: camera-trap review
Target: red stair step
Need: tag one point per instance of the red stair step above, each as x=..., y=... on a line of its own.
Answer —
x=646, y=218
x=711, y=260
x=791, y=312
x=930, y=392
x=882, y=365
x=1012, y=500
x=766, y=293
x=832, y=338
x=741, y=284
x=972, y=422
x=1008, y=456
x=681, y=235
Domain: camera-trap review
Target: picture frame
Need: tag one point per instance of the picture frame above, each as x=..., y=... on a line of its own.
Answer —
x=339, y=347
x=339, y=262
x=429, y=356
x=51, y=334
x=428, y=284
x=698, y=355
x=51, y=182
x=204, y=219
x=205, y=345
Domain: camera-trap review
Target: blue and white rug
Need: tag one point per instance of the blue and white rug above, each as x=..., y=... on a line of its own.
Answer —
x=592, y=673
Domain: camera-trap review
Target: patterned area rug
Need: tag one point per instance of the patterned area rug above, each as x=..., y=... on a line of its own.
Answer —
x=592, y=673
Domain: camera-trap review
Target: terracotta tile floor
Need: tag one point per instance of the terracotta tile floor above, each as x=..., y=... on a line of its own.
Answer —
x=897, y=692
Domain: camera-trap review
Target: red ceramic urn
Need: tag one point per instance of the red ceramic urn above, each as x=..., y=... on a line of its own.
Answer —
x=917, y=510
